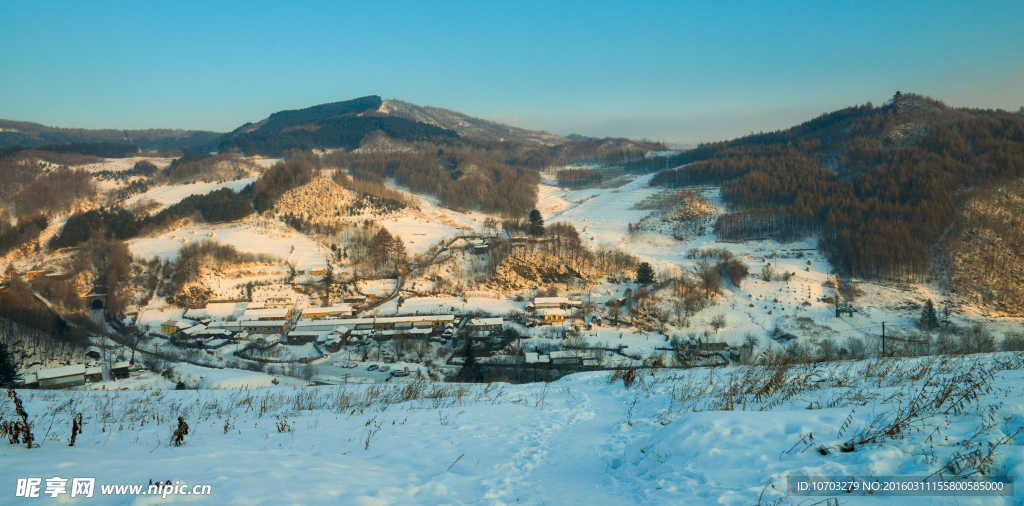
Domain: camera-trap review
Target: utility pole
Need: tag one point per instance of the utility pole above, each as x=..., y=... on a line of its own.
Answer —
x=883, y=339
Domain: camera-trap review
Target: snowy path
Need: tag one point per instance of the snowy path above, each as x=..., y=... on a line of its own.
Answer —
x=558, y=455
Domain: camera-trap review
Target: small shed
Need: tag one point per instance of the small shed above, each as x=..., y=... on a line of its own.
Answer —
x=356, y=300
x=36, y=274
x=119, y=370
x=93, y=353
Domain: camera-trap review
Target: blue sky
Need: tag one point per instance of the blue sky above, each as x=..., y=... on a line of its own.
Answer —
x=674, y=71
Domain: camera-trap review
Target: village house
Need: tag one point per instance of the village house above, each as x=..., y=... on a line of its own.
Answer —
x=228, y=328
x=486, y=324
x=61, y=377
x=171, y=327
x=355, y=300
x=403, y=333
x=119, y=370
x=303, y=337
x=93, y=352
x=306, y=331
x=338, y=311
x=548, y=303
x=434, y=322
x=265, y=326
x=266, y=314
x=332, y=341
x=36, y=274
x=552, y=315
x=534, y=358
x=278, y=302
x=267, y=340
x=702, y=346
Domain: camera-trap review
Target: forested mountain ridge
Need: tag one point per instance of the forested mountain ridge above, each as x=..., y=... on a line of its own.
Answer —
x=879, y=186
x=335, y=125
x=28, y=134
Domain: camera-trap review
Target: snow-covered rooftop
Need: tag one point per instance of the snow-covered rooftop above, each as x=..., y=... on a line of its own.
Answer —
x=255, y=314
x=59, y=372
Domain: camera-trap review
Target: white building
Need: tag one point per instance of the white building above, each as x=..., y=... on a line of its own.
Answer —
x=62, y=377
x=264, y=315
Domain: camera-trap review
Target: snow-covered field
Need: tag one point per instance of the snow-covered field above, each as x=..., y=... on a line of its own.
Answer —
x=252, y=235
x=728, y=436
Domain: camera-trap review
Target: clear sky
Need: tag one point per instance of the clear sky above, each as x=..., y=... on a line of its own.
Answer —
x=675, y=71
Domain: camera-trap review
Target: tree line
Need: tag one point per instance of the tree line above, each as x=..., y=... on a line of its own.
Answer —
x=460, y=179
x=884, y=204
x=579, y=177
x=120, y=224
x=98, y=149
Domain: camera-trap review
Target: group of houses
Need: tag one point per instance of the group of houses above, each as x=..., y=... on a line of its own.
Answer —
x=328, y=327
x=73, y=375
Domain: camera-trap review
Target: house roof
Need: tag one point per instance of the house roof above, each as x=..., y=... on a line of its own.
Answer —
x=563, y=354
x=536, y=358
x=252, y=314
x=309, y=333
x=551, y=300
x=271, y=338
x=225, y=326
x=195, y=329
x=398, y=332
x=420, y=318
x=121, y=365
x=343, y=308
x=60, y=372
x=486, y=321
x=179, y=324
x=263, y=323
x=552, y=311
x=307, y=325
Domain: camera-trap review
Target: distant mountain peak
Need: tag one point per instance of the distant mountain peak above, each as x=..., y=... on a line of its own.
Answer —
x=464, y=124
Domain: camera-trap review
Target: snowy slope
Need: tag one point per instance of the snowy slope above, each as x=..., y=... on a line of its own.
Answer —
x=674, y=437
x=253, y=234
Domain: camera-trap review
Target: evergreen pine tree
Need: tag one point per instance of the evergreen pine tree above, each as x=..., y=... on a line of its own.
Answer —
x=9, y=376
x=328, y=281
x=929, y=317
x=644, y=274
x=536, y=223
x=470, y=372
